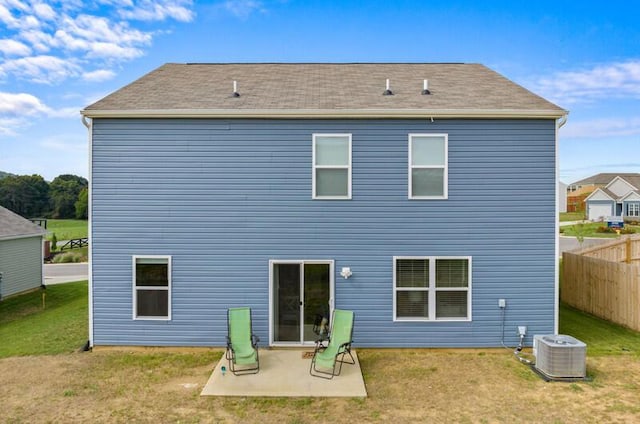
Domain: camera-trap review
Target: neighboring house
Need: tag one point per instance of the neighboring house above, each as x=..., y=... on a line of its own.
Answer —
x=575, y=199
x=594, y=181
x=562, y=198
x=21, y=253
x=620, y=198
x=316, y=186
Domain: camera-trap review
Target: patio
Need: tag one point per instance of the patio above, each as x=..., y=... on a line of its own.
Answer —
x=285, y=373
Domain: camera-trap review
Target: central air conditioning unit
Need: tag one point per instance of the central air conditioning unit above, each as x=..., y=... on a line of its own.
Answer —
x=560, y=356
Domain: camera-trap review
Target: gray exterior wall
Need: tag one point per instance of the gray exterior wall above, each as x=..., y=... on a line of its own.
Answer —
x=223, y=197
x=20, y=265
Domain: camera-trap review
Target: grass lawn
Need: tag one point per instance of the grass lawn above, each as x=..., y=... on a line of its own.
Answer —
x=27, y=329
x=67, y=229
x=403, y=385
x=571, y=216
x=590, y=230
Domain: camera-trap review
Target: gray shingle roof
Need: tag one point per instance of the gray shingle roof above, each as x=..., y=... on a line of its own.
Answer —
x=459, y=88
x=15, y=226
x=605, y=178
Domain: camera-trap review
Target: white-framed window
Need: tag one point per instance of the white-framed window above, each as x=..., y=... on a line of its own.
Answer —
x=152, y=287
x=633, y=209
x=428, y=166
x=431, y=288
x=331, y=166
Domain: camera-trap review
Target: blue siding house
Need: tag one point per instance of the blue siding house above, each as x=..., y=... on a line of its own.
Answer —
x=392, y=190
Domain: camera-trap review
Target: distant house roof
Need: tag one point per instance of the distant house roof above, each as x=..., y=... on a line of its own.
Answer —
x=605, y=178
x=582, y=191
x=324, y=90
x=14, y=226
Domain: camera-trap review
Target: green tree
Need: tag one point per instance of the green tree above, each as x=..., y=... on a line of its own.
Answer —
x=65, y=190
x=26, y=195
x=82, y=205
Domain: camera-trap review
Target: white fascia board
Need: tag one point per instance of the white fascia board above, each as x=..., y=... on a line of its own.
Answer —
x=325, y=113
x=598, y=190
x=630, y=194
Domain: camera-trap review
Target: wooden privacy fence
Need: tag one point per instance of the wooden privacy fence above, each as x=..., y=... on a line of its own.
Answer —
x=605, y=281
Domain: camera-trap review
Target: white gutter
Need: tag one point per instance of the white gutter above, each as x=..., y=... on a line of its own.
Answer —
x=325, y=113
x=556, y=312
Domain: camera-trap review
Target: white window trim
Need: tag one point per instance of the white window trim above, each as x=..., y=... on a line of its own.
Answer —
x=432, y=289
x=633, y=209
x=445, y=167
x=134, y=258
x=314, y=167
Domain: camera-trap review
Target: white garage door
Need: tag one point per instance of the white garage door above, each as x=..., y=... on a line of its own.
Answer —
x=598, y=211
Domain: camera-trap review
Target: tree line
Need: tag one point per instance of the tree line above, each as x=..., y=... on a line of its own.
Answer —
x=66, y=197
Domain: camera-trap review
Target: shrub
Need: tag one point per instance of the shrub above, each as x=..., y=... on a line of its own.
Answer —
x=603, y=229
x=67, y=257
x=627, y=231
x=561, y=230
x=54, y=242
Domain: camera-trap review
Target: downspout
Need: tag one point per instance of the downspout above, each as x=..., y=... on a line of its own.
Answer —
x=559, y=124
x=89, y=124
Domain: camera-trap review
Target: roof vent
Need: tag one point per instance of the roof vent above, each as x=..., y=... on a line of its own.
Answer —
x=235, y=89
x=425, y=87
x=388, y=91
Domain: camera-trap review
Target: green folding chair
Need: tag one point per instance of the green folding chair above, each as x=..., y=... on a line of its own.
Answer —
x=327, y=361
x=242, y=344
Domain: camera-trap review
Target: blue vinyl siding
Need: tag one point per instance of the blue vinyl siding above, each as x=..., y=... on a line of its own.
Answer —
x=223, y=197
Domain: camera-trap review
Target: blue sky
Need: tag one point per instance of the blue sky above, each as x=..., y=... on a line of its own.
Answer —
x=58, y=56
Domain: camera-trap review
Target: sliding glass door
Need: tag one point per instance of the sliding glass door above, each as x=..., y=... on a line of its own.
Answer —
x=301, y=297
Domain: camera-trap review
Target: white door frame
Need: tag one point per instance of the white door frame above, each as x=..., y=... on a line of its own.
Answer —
x=272, y=262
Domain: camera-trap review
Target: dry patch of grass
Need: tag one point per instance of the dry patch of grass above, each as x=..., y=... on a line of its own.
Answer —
x=404, y=386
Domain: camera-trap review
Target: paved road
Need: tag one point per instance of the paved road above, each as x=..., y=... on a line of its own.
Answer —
x=570, y=243
x=65, y=273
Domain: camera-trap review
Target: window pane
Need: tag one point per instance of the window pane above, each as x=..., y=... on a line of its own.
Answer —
x=412, y=304
x=152, y=274
x=153, y=303
x=332, y=150
x=451, y=304
x=427, y=151
x=452, y=273
x=427, y=182
x=332, y=182
x=412, y=273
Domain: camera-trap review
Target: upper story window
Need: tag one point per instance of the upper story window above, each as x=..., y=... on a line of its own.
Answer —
x=151, y=287
x=428, y=166
x=332, y=166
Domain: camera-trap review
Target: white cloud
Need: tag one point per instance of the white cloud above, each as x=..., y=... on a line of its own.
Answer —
x=602, y=128
x=44, y=11
x=14, y=48
x=40, y=69
x=243, y=8
x=98, y=75
x=159, y=10
x=63, y=39
x=17, y=110
x=613, y=80
x=19, y=104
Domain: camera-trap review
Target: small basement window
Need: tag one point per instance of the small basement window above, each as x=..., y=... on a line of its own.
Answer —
x=331, y=166
x=428, y=166
x=152, y=287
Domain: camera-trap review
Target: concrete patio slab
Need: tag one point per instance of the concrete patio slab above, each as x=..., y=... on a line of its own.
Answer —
x=285, y=373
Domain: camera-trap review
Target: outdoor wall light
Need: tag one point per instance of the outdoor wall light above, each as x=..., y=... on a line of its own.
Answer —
x=345, y=272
